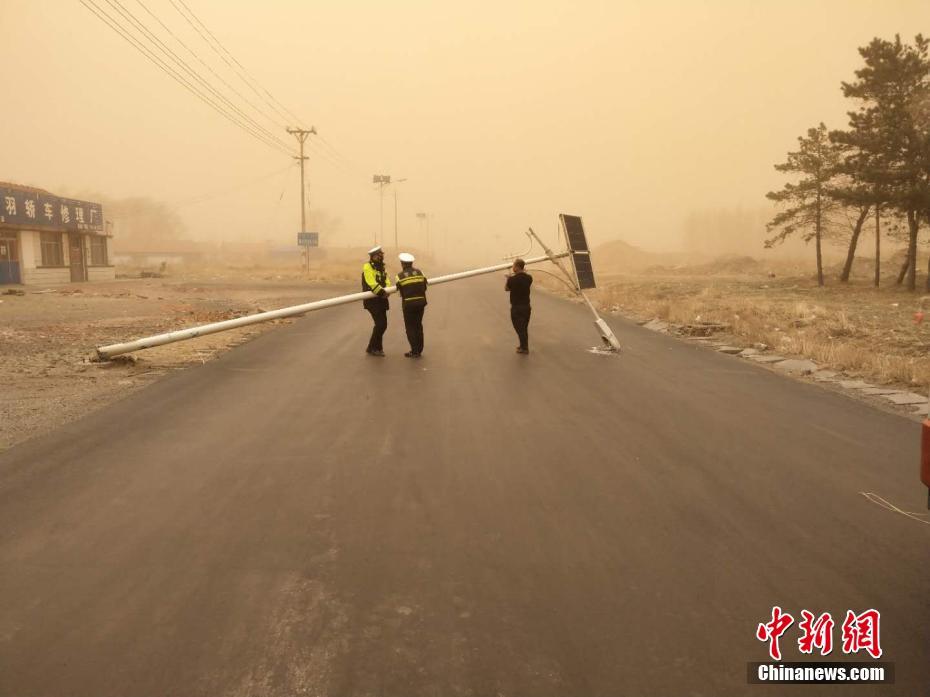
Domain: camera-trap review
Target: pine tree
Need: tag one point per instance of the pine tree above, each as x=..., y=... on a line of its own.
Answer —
x=891, y=133
x=806, y=204
x=865, y=182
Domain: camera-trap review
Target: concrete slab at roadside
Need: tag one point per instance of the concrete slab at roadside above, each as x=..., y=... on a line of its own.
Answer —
x=854, y=384
x=657, y=325
x=906, y=398
x=767, y=359
x=797, y=366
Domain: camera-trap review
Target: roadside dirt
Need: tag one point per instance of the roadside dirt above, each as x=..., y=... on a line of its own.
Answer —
x=855, y=328
x=48, y=337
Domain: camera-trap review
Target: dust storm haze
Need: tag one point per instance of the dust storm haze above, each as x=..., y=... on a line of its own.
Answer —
x=499, y=115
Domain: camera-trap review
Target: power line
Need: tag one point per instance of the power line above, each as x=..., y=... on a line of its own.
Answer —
x=326, y=157
x=181, y=63
x=207, y=66
x=331, y=147
x=213, y=45
x=173, y=207
x=228, y=190
x=115, y=25
x=338, y=156
x=271, y=96
x=328, y=153
x=322, y=148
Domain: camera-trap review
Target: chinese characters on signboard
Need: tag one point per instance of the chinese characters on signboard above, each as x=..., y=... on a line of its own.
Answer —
x=31, y=209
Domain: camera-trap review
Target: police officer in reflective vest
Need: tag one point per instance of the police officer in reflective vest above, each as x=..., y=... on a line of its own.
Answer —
x=375, y=279
x=411, y=284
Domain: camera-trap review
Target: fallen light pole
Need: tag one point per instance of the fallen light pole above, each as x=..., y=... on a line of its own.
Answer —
x=107, y=352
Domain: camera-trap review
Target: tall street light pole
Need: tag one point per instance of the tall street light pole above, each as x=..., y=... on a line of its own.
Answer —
x=381, y=180
x=301, y=135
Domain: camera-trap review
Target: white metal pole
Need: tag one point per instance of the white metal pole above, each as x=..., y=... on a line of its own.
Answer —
x=607, y=334
x=105, y=352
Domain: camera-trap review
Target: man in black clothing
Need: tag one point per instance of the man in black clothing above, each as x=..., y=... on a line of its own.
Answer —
x=375, y=279
x=411, y=283
x=518, y=284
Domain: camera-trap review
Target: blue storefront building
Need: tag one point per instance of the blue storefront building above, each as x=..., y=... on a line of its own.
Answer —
x=47, y=239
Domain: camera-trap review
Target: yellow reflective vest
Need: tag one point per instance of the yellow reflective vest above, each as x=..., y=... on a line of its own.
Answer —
x=411, y=284
x=375, y=280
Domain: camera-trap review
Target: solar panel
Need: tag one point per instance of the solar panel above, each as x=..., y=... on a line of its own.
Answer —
x=583, y=270
x=578, y=246
x=574, y=230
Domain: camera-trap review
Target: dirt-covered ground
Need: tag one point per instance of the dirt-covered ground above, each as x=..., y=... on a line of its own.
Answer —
x=855, y=328
x=48, y=337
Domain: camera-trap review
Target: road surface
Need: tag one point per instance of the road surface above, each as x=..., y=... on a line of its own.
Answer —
x=299, y=518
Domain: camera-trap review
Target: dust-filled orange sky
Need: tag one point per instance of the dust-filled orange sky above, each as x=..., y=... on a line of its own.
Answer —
x=499, y=114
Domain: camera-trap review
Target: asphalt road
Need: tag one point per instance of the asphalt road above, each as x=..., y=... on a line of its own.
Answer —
x=299, y=518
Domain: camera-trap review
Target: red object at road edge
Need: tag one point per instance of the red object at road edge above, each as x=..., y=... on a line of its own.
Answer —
x=925, y=457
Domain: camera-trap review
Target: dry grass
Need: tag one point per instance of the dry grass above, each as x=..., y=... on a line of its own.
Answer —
x=857, y=329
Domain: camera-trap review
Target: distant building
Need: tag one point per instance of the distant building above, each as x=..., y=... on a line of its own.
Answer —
x=47, y=239
x=149, y=252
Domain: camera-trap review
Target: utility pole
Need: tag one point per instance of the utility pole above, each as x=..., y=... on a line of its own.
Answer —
x=301, y=135
x=381, y=180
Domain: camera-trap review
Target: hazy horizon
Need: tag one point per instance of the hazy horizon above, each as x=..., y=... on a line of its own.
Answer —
x=499, y=115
